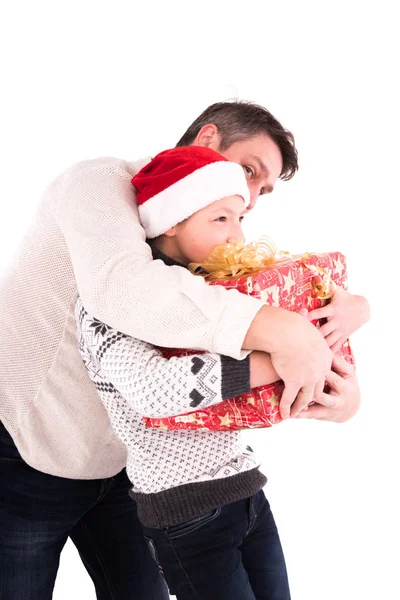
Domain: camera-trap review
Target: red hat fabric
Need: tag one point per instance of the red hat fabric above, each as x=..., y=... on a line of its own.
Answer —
x=181, y=181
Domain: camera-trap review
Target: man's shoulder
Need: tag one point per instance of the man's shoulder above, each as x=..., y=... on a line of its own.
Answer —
x=107, y=164
x=80, y=181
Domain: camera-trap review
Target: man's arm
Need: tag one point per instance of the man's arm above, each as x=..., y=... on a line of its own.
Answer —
x=122, y=286
x=159, y=387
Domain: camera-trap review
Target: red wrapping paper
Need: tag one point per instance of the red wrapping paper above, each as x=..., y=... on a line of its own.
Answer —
x=291, y=284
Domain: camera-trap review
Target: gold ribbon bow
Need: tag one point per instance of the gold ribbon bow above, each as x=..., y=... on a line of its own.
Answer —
x=236, y=260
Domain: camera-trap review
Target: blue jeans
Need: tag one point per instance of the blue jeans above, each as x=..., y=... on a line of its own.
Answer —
x=38, y=512
x=232, y=553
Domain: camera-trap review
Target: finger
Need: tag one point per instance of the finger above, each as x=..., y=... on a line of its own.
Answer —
x=337, y=345
x=332, y=338
x=303, y=399
x=327, y=400
x=303, y=312
x=319, y=388
x=318, y=412
x=288, y=397
x=327, y=328
x=342, y=367
x=335, y=382
x=321, y=313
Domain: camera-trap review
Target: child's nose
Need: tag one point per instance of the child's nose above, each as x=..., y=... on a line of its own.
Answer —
x=235, y=233
x=233, y=239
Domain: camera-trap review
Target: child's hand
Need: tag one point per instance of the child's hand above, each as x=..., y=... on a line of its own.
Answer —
x=344, y=314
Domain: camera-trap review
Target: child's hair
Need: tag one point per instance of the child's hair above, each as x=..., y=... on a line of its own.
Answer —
x=239, y=120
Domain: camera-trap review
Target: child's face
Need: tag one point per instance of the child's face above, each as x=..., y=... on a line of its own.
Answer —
x=219, y=223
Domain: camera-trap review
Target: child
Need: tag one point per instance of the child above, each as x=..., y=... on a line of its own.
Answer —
x=199, y=493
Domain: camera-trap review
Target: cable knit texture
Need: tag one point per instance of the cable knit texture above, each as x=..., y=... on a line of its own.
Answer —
x=86, y=236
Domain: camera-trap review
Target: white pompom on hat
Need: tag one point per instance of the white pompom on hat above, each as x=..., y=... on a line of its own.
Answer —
x=179, y=182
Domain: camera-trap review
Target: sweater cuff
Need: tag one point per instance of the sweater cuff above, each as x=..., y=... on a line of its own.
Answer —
x=234, y=324
x=235, y=377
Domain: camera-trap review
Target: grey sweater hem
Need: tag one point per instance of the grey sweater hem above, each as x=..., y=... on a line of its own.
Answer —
x=185, y=502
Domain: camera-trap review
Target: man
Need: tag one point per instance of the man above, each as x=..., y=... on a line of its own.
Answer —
x=63, y=469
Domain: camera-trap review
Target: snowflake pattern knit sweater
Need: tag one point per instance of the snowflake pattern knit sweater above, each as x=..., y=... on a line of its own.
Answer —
x=176, y=475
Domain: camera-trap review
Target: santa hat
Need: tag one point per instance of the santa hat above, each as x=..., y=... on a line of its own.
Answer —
x=179, y=182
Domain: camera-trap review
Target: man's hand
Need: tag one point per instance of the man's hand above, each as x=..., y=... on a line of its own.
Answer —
x=299, y=354
x=344, y=314
x=344, y=395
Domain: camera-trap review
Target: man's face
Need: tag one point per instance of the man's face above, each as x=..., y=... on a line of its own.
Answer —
x=261, y=160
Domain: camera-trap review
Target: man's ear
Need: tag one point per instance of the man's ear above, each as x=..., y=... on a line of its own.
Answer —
x=208, y=136
x=171, y=232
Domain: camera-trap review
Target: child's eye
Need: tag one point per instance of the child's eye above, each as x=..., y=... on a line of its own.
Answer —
x=221, y=219
x=248, y=170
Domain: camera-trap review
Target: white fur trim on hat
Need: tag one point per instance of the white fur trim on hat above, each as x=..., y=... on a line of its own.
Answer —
x=192, y=193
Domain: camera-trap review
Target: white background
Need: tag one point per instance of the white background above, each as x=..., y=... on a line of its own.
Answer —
x=85, y=79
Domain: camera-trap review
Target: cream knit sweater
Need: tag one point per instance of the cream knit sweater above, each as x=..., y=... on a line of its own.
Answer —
x=86, y=236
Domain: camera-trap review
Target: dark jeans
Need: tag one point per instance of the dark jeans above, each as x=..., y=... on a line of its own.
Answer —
x=39, y=512
x=232, y=553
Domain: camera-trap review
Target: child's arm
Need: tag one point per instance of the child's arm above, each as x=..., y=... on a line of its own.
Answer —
x=158, y=387
x=344, y=314
x=262, y=371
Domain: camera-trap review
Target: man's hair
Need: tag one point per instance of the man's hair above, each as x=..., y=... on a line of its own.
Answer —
x=241, y=120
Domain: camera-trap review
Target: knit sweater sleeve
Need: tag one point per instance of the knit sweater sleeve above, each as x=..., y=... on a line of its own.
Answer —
x=152, y=385
x=119, y=282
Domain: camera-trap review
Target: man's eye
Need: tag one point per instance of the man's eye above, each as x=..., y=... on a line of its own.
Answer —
x=248, y=170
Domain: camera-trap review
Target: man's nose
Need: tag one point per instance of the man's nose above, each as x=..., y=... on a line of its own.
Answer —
x=253, y=201
x=254, y=193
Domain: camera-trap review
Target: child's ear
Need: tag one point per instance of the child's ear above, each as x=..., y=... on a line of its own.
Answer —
x=171, y=232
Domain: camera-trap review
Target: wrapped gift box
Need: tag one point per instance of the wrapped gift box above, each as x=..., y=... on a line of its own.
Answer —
x=283, y=281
